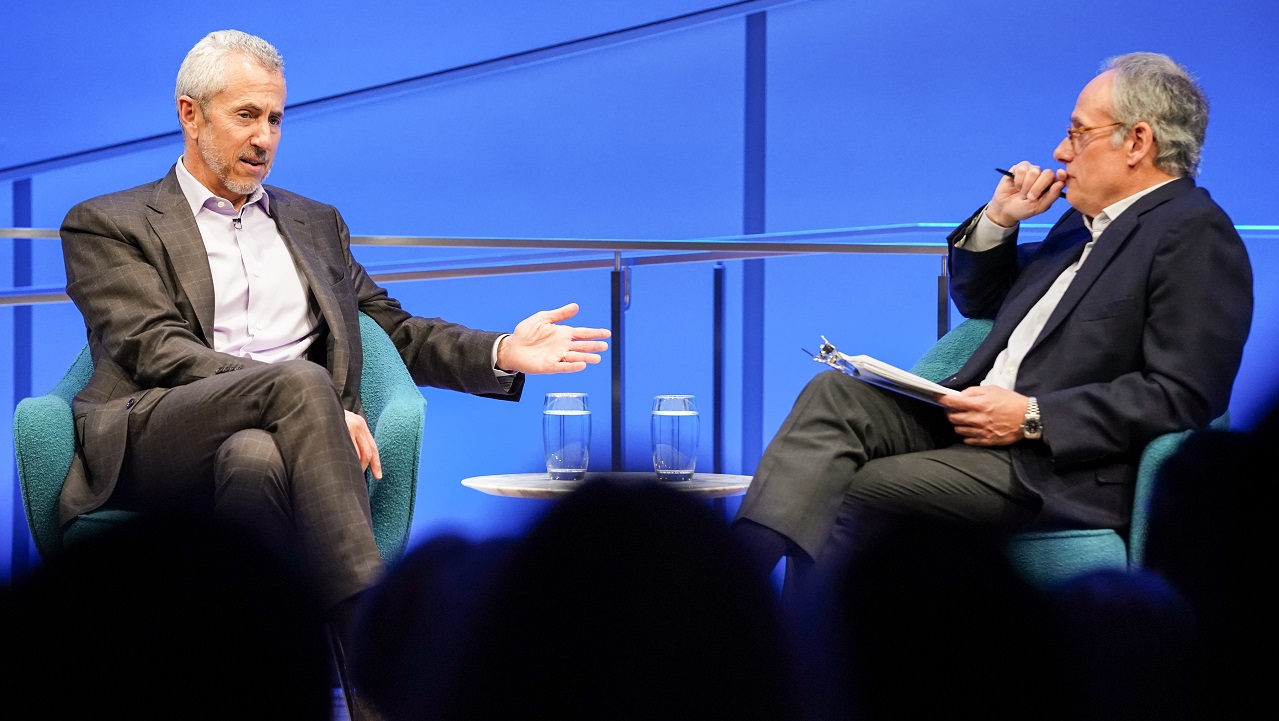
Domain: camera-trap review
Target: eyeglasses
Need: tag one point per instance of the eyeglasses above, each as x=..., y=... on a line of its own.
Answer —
x=1075, y=133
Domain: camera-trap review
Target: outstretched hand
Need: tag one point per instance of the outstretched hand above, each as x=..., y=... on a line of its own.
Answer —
x=540, y=345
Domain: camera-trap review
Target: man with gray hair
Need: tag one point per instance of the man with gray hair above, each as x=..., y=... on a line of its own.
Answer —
x=222, y=317
x=1126, y=322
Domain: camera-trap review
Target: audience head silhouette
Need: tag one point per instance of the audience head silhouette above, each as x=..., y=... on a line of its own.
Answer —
x=626, y=601
x=163, y=619
x=1126, y=639
x=408, y=628
x=1208, y=536
x=931, y=614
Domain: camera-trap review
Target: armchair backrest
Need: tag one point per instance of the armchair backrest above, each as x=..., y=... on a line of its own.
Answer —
x=43, y=445
x=951, y=351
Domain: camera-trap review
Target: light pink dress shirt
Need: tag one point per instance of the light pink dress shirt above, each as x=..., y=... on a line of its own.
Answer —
x=262, y=306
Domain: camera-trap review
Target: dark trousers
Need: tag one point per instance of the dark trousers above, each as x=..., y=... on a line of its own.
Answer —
x=265, y=449
x=848, y=445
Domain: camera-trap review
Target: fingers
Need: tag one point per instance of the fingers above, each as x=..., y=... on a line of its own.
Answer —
x=365, y=447
x=574, y=357
x=590, y=333
x=1032, y=182
x=563, y=312
x=588, y=346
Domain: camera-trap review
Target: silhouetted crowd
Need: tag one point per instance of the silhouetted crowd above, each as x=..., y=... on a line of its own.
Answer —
x=632, y=601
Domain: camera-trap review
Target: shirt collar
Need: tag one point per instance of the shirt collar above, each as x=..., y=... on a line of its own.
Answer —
x=1112, y=211
x=198, y=196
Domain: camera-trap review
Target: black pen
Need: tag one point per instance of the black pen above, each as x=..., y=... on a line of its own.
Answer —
x=1010, y=174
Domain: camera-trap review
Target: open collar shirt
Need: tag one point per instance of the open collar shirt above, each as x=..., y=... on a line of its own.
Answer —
x=262, y=307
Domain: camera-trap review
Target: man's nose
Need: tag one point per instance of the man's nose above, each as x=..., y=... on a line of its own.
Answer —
x=1064, y=153
x=263, y=133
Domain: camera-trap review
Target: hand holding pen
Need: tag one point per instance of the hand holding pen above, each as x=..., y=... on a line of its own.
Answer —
x=1026, y=191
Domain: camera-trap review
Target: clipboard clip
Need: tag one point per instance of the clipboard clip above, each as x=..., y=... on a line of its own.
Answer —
x=833, y=358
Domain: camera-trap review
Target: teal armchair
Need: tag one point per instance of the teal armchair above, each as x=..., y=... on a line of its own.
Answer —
x=1051, y=556
x=44, y=443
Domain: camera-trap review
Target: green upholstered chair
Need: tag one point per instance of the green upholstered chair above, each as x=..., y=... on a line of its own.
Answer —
x=1050, y=556
x=44, y=442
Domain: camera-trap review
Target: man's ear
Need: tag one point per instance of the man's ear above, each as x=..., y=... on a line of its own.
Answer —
x=1141, y=144
x=189, y=116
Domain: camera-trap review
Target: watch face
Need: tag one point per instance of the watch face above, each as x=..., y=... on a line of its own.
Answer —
x=1032, y=427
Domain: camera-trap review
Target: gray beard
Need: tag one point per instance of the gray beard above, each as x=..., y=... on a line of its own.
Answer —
x=211, y=153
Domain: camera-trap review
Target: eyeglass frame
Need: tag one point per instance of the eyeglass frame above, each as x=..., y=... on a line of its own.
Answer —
x=1073, y=133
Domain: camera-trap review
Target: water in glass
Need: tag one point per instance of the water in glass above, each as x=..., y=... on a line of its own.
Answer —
x=566, y=435
x=675, y=429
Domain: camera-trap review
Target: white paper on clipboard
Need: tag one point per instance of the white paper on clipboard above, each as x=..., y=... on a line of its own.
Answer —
x=877, y=372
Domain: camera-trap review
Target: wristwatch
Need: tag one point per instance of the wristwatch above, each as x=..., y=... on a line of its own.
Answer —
x=1031, y=426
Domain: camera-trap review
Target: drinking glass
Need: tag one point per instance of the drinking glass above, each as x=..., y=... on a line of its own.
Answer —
x=675, y=431
x=566, y=435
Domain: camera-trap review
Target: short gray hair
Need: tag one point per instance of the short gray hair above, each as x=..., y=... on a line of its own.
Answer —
x=204, y=70
x=1154, y=88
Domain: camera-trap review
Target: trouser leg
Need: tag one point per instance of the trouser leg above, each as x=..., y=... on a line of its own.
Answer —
x=251, y=490
x=958, y=483
x=175, y=455
x=837, y=424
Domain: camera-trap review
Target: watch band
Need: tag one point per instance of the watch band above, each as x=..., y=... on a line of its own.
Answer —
x=1032, y=425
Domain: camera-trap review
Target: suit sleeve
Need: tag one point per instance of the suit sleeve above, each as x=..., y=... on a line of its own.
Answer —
x=436, y=352
x=980, y=280
x=113, y=280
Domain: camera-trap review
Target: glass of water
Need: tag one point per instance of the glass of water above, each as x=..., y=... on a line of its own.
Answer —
x=566, y=435
x=675, y=430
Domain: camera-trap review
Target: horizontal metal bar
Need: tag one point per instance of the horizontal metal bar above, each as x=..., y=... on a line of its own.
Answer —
x=802, y=241
x=34, y=233
x=771, y=242
x=34, y=295
x=429, y=270
x=659, y=252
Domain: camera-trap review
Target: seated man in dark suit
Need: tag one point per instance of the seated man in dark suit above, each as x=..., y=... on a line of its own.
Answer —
x=223, y=321
x=1128, y=321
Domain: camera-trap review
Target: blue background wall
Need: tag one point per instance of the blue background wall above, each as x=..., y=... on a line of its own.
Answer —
x=876, y=113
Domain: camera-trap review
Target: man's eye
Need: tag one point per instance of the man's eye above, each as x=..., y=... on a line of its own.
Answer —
x=243, y=114
x=276, y=121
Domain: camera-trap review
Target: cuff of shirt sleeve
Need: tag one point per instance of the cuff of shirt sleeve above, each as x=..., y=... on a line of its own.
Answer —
x=498, y=372
x=985, y=234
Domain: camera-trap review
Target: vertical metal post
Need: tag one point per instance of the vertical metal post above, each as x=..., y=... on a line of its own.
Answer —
x=717, y=370
x=22, y=363
x=620, y=300
x=753, y=222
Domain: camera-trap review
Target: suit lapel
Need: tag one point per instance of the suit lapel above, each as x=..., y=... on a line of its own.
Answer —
x=1108, y=245
x=171, y=219
x=1064, y=244
x=297, y=236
